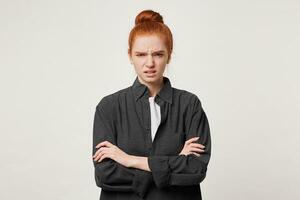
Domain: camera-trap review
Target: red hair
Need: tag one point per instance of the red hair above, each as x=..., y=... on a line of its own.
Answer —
x=149, y=22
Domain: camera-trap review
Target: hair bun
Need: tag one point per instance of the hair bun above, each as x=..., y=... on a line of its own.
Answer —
x=148, y=16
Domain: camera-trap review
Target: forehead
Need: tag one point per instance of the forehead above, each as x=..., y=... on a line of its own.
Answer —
x=148, y=43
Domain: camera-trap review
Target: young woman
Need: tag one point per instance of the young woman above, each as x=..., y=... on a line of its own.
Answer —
x=150, y=140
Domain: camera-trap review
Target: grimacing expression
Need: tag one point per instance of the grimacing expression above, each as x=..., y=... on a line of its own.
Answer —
x=149, y=56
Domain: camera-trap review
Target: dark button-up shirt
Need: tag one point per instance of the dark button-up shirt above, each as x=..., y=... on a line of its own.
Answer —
x=124, y=119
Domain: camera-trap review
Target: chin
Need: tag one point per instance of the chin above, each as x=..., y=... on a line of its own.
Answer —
x=152, y=79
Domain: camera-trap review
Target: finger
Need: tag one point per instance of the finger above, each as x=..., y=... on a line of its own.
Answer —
x=196, y=150
x=106, y=155
x=197, y=145
x=100, y=144
x=102, y=157
x=104, y=143
x=192, y=140
x=102, y=150
x=196, y=154
x=96, y=153
x=98, y=156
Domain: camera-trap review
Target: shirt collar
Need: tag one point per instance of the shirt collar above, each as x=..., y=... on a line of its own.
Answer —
x=165, y=92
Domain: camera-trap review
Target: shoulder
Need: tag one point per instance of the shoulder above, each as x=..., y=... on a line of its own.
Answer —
x=109, y=101
x=190, y=98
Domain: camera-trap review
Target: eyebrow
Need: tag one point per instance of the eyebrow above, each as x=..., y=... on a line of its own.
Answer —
x=160, y=51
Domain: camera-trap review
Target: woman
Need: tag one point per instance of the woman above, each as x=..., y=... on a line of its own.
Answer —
x=150, y=140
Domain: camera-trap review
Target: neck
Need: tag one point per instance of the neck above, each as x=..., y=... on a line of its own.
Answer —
x=154, y=87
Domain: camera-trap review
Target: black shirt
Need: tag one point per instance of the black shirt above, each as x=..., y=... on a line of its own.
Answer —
x=123, y=118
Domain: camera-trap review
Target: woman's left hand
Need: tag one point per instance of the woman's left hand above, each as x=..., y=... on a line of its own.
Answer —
x=108, y=150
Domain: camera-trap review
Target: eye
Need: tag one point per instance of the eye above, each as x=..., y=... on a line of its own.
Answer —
x=159, y=54
x=139, y=55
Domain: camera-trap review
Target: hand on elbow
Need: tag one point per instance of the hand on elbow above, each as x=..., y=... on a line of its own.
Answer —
x=191, y=147
x=109, y=150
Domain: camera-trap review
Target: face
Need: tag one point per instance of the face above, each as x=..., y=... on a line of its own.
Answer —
x=149, y=57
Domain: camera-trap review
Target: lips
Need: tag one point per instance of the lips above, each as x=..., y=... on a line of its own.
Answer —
x=149, y=71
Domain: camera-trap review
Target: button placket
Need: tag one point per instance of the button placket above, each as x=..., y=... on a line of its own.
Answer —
x=148, y=124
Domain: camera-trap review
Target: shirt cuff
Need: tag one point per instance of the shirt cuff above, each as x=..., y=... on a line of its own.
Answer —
x=141, y=182
x=159, y=166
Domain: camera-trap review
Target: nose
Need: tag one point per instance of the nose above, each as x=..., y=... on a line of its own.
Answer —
x=149, y=61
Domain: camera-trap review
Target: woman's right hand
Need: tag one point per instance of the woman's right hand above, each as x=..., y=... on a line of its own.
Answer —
x=192, y=148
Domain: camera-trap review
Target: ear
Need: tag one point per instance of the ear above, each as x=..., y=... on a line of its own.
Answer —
x=130, y=59
x=169, y=59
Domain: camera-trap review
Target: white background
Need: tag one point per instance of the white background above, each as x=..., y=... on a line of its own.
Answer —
x=58, y=58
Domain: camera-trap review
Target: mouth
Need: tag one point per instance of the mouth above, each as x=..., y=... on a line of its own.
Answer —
x=150, y=73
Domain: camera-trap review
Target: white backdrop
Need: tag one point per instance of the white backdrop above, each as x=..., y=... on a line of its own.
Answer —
x=58, y=58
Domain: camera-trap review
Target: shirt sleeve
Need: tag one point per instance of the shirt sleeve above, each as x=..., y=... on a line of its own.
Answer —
x=109, y=174
x=181, y=169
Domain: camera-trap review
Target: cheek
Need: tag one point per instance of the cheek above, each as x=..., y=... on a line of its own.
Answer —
x=161, y=65
x=162, y=61
x=138, y=68
x=139, y=63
